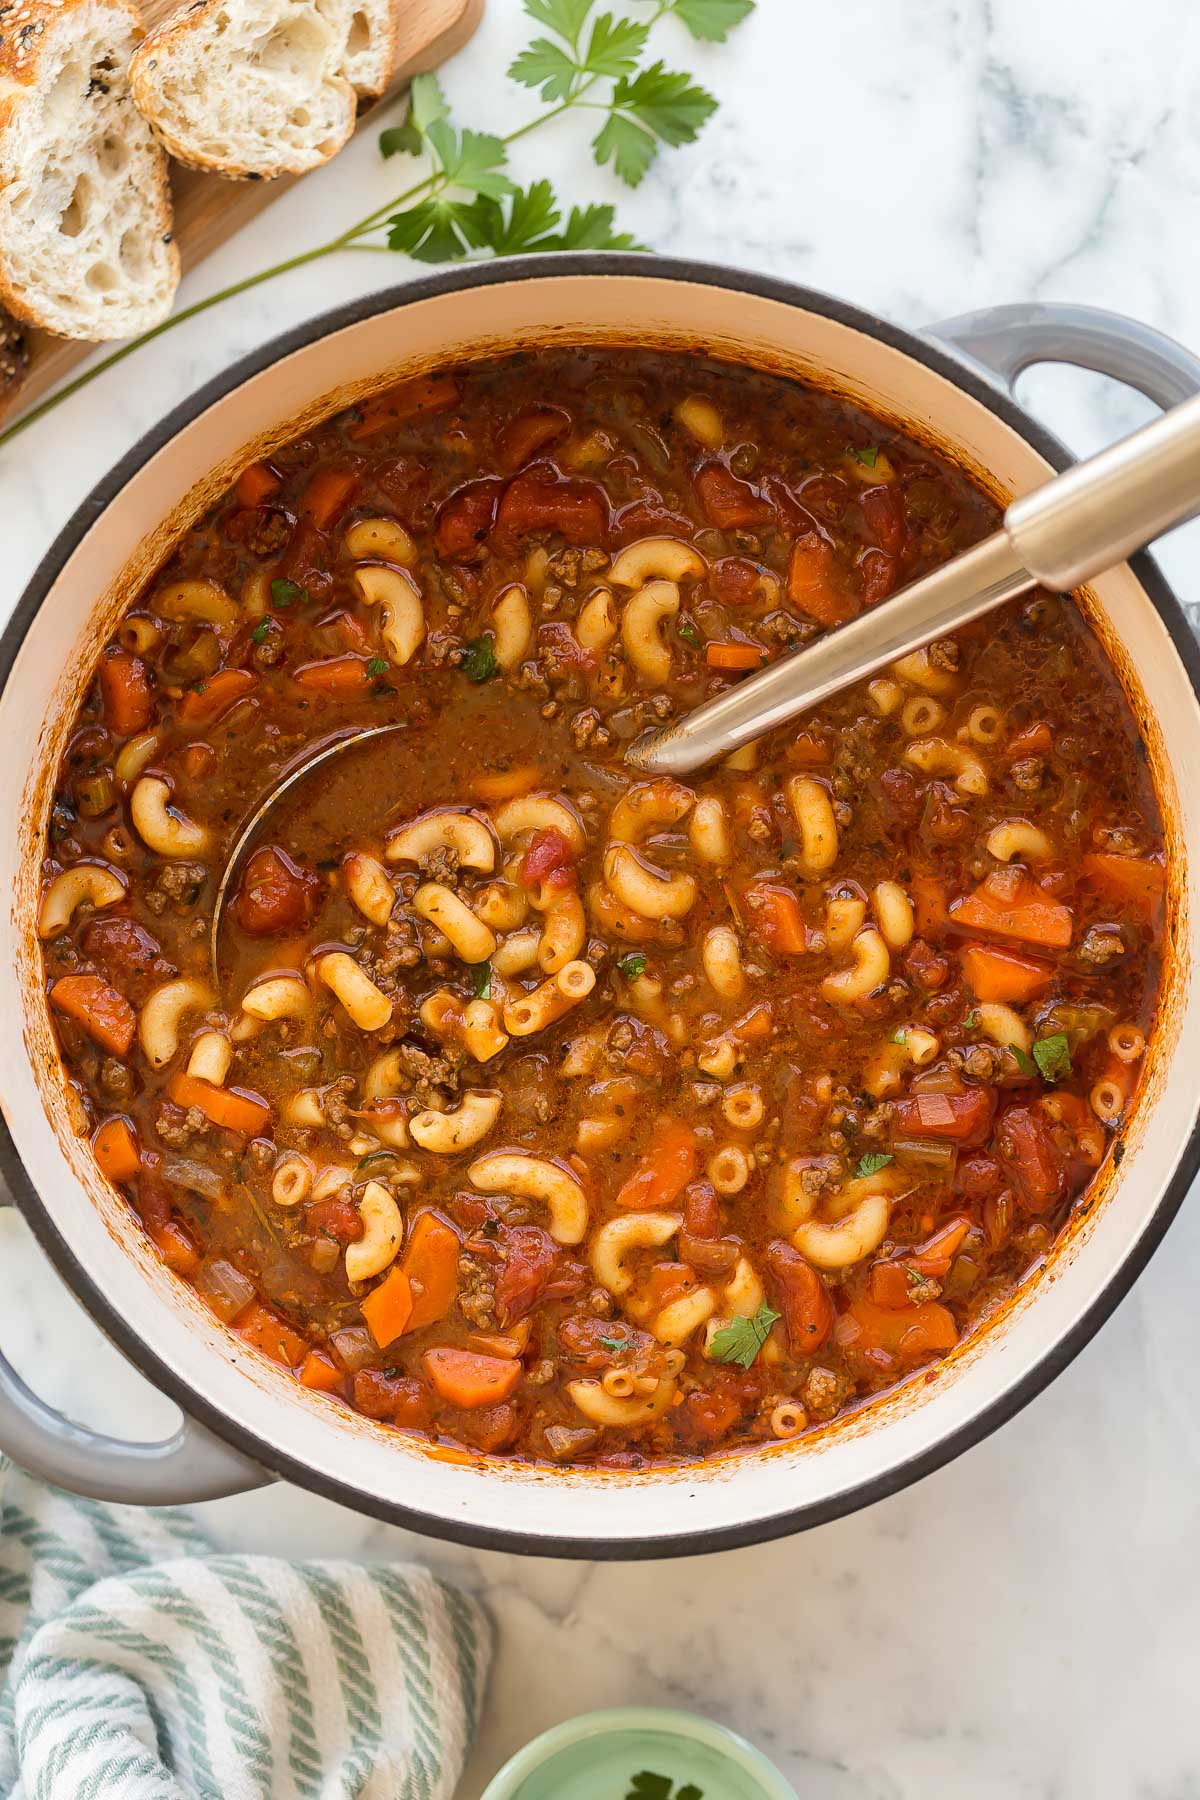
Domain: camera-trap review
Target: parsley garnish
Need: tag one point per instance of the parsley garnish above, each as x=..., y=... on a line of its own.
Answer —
x=872, y=1162
x=1025, y=1062
x=260, y=631
x=869, y=456
x=649, y=1786
x=479, y=659
x=614, y=1343
x=481, y=979
x=1052, y=1055
x=377, y=666
x=288, y=593
x=633, y=965
x=687, y=631
x=899, y=1035
x=741, y=1340
x=971, y=1021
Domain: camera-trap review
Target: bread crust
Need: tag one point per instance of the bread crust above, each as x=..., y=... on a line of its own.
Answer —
x=144, y=73
x=30, y=31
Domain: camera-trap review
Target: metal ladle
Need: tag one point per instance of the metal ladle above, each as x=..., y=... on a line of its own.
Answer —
x=1076, y=526
x=291, y=780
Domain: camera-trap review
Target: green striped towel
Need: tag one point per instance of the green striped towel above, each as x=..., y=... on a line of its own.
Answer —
x=136, y=1664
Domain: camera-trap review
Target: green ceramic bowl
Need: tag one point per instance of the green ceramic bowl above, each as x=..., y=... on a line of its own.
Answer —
x=600, y=1755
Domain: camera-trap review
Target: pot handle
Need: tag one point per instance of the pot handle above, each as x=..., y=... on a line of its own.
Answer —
x=191, y=1465
x=1003, y=341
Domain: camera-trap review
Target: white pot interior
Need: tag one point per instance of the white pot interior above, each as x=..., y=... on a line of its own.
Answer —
x=317, y=1437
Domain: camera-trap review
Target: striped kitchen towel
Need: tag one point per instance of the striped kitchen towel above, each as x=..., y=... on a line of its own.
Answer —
x=136, y=1664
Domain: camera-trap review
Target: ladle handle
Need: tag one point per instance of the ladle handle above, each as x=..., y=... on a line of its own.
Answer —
x=1074, y=526
x=1104, y=509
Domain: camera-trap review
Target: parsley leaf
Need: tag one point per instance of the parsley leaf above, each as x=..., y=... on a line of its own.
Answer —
x=655, y=104
x=1052, y=1055
x=288, y=593
x=633, y=965
x=712, y=20
x=566, y=17
x=479, y=659
x=377, y=666
x=868, y=456
x=630, y=149
x=741, y=1340
x=470, y=159
x=1025, y=1062
x=971, y=1021
x=258, y=635
x=649, y=1786
x=614, y=1343
x=899, y=1035
x=615, y=45
x=547, y=66
x=426, y=103
x=687, y=631
x=481, y=979
x=438, y=230
x=872, y=1162
x=591, y=228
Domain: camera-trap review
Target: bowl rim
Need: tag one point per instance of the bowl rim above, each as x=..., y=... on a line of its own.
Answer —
x=532, y=1756
x=939, y=360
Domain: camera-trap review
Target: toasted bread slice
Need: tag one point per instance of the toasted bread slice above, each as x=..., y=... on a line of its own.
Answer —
x=371, y=46
x=86, y=246
x=251, y=88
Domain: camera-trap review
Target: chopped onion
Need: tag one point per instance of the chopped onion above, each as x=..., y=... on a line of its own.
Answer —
x=225, y=1288
x=196, y=1176
x=355, y=1347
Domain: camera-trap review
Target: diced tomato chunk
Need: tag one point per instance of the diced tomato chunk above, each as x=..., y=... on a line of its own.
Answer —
x=879, y=573
x=336, y=1219
x=274, y=895
x=465, y=519
x=736, y=581
x=957, y=1118
x=802, y=1298
x=883, y=510
x=549, y=858
x=540, y=499
x=730, y=503
x=530, y=432
x=1028, y=1152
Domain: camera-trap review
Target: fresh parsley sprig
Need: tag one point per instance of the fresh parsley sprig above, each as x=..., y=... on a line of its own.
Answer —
x=466, y=204
x=741, y=1340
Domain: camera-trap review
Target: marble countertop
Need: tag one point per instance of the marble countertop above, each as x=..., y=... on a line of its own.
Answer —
x=1024, y=1623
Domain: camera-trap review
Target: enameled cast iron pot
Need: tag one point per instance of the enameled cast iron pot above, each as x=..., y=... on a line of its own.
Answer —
x=244, y=1420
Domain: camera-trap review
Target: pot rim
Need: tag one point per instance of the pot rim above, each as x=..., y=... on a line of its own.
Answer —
x=598, y=264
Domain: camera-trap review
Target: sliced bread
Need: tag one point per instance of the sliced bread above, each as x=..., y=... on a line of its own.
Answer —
x=86, y=245
x=252, y=88
x=371, y=46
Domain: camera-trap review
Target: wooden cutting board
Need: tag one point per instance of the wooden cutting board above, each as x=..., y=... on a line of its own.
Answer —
x=209, y=209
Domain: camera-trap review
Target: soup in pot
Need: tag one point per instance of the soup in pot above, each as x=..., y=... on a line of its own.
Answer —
x=532, y=1105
